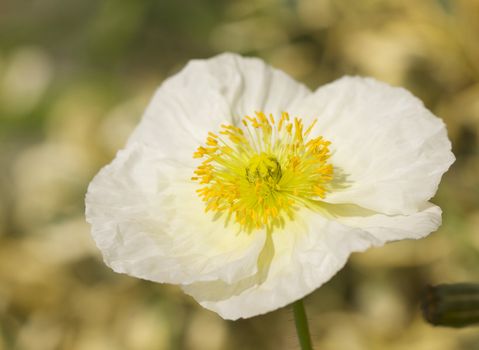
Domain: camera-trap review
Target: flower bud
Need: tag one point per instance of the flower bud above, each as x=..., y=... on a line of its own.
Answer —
x=451, y=305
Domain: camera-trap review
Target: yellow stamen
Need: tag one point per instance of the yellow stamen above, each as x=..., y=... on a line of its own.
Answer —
x=259, y=178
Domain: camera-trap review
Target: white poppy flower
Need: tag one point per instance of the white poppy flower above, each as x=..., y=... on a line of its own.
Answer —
x=250, y=191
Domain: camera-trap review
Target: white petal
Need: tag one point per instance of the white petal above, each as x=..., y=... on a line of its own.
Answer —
x=296, y=261
x=389, y=151
x=305, y=256
x=208, y=93
x=148, y=222
x=387, y=228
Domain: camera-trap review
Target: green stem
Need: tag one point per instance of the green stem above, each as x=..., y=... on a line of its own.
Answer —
x=301, y=322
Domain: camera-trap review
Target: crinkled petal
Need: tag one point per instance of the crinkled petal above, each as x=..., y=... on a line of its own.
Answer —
x=208, y=93
x=305, y=256
x=389, y=151
x=148, y=222
x=296, y=261
x=387, y=228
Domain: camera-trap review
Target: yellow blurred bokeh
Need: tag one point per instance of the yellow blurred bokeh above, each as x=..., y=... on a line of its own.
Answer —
x=74, y=80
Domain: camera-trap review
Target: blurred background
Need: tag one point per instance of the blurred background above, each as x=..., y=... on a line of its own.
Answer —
x=75, y=77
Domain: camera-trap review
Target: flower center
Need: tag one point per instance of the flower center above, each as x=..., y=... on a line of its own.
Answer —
x=263, y=168
x=260, y=174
